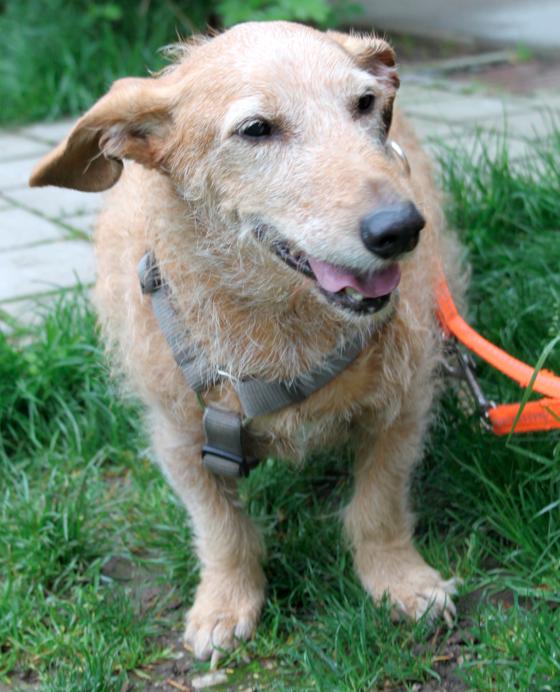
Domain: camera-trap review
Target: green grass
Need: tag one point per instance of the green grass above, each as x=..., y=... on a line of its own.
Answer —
x=59, y=57
x=80, y=497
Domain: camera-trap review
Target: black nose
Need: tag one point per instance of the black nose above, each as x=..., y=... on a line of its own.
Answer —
x=392, y=231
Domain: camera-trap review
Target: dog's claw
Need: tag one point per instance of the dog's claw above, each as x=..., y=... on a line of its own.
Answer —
x=217, y=621
x=449, y=615
x=420, y=593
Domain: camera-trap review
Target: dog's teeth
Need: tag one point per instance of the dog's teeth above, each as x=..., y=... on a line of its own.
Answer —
x=352, y=293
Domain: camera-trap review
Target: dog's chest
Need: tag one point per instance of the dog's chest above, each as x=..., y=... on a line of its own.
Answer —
x=291, y=435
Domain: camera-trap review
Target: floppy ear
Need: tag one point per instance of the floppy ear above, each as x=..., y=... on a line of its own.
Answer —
x=130, y=121
x=371, y=53
x=376, y=56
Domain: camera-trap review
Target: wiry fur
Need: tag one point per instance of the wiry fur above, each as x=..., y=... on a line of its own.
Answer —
x=195, y=199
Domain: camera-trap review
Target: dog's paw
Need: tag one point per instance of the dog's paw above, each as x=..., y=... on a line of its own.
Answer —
x=220, y=617
x=414, y=589
x=424, y=594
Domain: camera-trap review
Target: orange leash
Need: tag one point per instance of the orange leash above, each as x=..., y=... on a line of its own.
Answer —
x=534, y=416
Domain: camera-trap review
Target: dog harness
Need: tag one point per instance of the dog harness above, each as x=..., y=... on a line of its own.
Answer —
x=223, y=450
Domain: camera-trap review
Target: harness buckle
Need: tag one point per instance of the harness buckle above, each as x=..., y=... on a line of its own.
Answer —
x=222, y=452
x=222, y=463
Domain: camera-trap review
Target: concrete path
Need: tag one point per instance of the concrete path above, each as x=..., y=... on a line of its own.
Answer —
x=530, y=23
x=45, y=233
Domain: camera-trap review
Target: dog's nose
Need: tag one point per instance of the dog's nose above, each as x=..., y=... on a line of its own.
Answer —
x=393, y=230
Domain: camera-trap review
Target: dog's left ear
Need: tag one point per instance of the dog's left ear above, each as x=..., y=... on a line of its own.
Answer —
x=372, y=54
x=130, y=121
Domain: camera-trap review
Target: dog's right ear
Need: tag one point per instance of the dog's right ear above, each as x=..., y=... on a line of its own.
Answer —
x=371, y=53
x=130, y=121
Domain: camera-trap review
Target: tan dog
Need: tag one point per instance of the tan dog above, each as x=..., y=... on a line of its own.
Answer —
x=273, y=136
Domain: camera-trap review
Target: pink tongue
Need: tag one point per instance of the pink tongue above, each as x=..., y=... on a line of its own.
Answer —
x=334, y=279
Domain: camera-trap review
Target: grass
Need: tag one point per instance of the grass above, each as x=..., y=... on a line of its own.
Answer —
x=95, y=556
x=50, y=46
x=55, y=76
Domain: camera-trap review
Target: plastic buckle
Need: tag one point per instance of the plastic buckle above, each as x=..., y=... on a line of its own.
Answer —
x=222, y=452
x=224, y=463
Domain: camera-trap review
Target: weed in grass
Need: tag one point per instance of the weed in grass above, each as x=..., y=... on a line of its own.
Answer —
x=79, y=493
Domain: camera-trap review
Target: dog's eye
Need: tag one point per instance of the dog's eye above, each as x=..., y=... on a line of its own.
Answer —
x=365, y=103
x=257, y=128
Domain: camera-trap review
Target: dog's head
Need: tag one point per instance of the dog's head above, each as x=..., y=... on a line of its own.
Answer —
x=281, y=131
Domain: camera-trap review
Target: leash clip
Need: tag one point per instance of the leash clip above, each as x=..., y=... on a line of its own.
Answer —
x=463, y=369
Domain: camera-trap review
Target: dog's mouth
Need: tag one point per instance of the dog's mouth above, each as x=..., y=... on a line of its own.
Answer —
x=343, y=287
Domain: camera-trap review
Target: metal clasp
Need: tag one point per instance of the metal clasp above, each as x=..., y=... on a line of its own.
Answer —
x=463, y=368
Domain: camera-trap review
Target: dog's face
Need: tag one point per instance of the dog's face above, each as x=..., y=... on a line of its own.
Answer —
x=281, y=131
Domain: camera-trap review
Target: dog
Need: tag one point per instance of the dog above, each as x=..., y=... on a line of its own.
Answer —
x=258, y=170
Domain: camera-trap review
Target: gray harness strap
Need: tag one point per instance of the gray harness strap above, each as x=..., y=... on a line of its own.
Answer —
x=223, y=452
x=188, y=359
x=259, y=397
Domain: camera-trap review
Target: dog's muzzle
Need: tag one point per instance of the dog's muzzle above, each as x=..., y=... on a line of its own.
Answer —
x=387, y=233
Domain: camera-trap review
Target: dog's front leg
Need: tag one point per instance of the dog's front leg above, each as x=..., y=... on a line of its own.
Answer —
x=380, y=525
x=230, y=595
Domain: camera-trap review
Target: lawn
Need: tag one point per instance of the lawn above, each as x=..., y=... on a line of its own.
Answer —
x=95, y=557
x=59, y=57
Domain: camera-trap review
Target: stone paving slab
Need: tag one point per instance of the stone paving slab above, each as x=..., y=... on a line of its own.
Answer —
x=535, y=124
x=13, y=146
x=56, y=202
x=51, y=133
x=26, y=310
x=491, y=145
x=427, y=130
x=519, y=128
x=466, y=108
x=15, y=174
x=83, y=223
x=411, y=94
x=19, y=228
x=43, y=268
x=548, y=100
